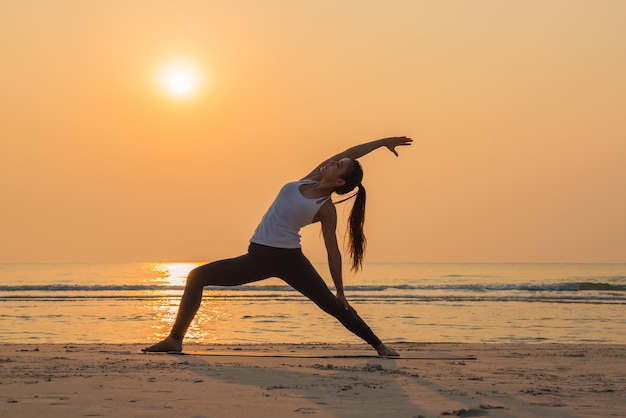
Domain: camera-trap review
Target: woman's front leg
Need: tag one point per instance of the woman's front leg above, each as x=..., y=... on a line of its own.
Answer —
x=231, y=272
x=189, y=305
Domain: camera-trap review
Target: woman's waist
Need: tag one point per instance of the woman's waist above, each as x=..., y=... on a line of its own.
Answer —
x=265, y=247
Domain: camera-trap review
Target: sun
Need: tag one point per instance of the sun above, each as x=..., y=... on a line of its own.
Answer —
x=180, y=80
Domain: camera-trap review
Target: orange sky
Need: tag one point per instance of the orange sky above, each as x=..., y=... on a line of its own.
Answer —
x=516, y=109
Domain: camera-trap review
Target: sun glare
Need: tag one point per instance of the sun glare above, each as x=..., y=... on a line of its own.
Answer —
x=179, y=80
x=174, y=274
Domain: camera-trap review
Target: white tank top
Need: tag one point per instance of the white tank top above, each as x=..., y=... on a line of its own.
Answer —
x=281, y=224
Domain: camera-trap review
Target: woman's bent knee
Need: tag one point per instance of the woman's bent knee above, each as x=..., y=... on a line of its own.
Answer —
x=196, y=278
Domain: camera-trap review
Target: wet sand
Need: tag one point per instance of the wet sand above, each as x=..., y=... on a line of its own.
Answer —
x=278, y=380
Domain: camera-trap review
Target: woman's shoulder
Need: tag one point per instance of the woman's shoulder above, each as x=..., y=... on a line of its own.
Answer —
x=293, y=184
x=327, y=211
x=300, y=182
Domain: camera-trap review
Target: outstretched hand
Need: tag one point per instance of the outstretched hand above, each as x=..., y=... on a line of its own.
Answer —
x=392, y=142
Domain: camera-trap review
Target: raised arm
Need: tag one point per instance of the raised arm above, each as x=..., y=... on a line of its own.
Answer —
x=361, y=150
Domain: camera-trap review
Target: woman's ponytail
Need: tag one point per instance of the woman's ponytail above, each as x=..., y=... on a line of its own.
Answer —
x=356, y=237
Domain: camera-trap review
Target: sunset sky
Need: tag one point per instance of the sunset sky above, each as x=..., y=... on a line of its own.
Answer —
x=161, y=130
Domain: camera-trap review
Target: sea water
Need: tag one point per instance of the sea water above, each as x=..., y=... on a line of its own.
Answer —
x=137, y=303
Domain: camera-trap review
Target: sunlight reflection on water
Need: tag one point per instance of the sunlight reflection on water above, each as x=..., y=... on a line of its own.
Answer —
x=173, y=274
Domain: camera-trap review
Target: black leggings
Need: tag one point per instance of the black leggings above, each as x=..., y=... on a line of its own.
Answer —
x=262, y=262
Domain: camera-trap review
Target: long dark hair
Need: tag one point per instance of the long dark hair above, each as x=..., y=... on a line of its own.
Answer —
x=356, y=237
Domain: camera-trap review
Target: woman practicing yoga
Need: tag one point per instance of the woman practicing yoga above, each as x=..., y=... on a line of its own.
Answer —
x=275, y=249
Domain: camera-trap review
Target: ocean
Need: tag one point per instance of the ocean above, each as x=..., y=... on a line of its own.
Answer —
x=473, y=303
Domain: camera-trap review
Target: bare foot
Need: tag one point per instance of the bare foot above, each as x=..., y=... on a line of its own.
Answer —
x=385, y=351
x=168, y=344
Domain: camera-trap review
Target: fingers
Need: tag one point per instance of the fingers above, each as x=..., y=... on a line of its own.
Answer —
x=396, y=141
x=348, y=306
x=392, y=142
x=345, y=303
x=403, y=140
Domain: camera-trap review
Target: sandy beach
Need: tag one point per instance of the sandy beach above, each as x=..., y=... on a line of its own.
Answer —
x=275, y=380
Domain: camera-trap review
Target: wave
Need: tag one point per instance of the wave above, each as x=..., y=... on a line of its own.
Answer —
x=479, y=288
x=601, y=286
x=611, y=299
x=580, y=292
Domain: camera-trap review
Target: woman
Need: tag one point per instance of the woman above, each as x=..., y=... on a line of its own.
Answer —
x=275, y=250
